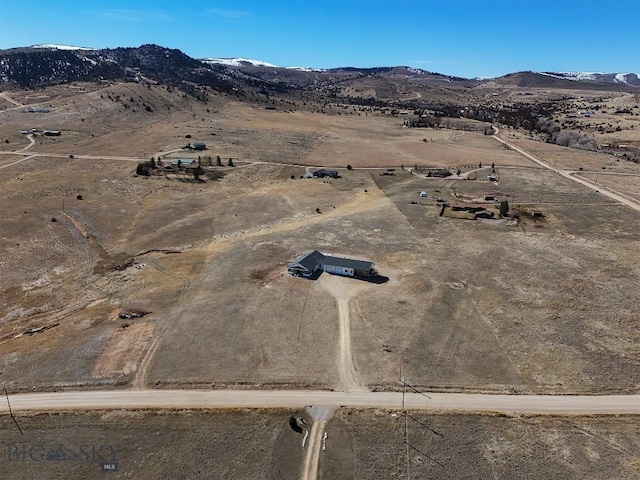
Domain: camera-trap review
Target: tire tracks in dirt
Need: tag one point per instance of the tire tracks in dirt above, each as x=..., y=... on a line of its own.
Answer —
x=140, y=380
x=321, y=414
x=343, y=290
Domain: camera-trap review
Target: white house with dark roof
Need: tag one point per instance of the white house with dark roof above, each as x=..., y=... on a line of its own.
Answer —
x=311, y=262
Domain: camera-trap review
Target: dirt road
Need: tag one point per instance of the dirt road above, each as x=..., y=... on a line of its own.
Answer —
x=571, y=175
x=312, y=455
x=460, y=402
x=11, y=100
x=321, y=414
x=343, y=290
x=17, y=161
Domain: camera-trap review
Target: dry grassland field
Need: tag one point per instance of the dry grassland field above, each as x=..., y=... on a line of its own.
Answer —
x=359, y=444
x=548, y=305
x=370, y=444
x=180, y=444
x=545, y=304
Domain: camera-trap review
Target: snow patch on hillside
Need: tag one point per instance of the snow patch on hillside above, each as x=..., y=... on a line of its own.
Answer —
x=54, y=46
x=306, y=69
x=237, y=62
x=621, y=78
x=574, y=75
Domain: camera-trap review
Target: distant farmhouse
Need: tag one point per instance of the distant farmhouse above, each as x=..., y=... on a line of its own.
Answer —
x=38, y=110
x=325, y=173
x=311, y=262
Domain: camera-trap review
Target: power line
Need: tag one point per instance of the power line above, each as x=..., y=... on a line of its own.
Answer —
x=11, y=412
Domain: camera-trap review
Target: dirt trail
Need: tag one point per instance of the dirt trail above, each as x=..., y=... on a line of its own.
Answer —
x=321, y=414
x=18, y=161
x=140, y=380
x=343, y=290
x=312, y=455
x=11, y=100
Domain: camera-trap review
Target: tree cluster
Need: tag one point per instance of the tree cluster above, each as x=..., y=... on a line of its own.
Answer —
x=145, y=168
x=565, y=138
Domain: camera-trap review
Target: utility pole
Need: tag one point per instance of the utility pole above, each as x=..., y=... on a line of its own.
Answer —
x=406, y=418
x=406, y=427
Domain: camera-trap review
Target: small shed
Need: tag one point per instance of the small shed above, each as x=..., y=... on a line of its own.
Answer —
x=423, y=194
x=199, y=146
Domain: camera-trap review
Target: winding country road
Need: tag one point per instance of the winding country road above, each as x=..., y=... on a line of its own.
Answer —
x=572, y=175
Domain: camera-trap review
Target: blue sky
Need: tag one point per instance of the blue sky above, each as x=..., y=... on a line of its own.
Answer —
x=455, y=37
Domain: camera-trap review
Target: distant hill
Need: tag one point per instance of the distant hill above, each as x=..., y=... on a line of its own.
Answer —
x=401, y=86
x=574, y=80
x=616, y=78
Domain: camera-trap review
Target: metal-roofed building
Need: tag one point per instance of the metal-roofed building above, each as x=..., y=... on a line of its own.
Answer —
x=309, y=263
x=347, y=267
x=325, y=173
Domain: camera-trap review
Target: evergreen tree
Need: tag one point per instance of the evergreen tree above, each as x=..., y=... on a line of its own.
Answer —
x=504, y=208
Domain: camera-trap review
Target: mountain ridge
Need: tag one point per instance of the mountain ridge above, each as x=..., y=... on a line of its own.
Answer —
x=625, y=78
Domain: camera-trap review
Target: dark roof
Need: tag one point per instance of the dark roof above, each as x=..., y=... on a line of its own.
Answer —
x=325, y=173
x=312, y=259
x=347, y=262
x=309, y=260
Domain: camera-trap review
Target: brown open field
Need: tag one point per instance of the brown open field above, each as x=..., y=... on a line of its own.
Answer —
x=254, y=444
x=571, y=158
x=370, y=444
x=627, y=184
x=542, y=306
x=231, y=444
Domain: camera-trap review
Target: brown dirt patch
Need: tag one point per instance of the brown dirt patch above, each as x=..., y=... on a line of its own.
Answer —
x=124, y=350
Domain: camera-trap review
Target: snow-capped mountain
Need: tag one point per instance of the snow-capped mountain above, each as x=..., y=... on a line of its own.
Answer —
x=238, y=62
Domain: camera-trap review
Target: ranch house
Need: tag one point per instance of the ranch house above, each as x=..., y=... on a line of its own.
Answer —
x=311, y=262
